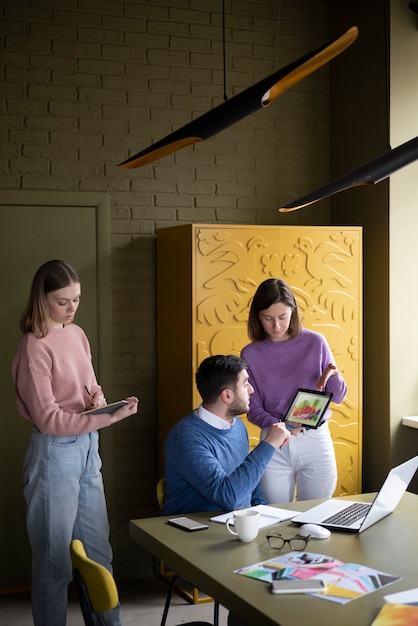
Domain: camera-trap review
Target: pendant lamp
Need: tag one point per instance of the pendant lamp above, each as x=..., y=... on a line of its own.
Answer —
x=414, y=6
x=236, y=108
x=370, y=173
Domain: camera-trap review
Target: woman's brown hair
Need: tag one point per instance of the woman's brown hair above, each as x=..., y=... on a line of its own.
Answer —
x=51, y=276
x=270, y=292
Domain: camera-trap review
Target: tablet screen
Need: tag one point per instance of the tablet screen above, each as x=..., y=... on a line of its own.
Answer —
x=308, y=407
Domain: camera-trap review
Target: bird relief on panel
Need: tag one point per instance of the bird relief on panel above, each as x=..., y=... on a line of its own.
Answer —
x=229, y=279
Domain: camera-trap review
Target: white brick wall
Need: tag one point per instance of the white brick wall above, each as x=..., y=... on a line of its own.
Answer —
x=86, y=84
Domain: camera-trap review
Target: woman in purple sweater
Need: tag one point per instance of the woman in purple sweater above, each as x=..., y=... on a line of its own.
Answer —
x=282, y=357
x=63, y=485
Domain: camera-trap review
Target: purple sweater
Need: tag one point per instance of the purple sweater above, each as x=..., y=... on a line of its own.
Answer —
x=278, y=368
x=50, y=374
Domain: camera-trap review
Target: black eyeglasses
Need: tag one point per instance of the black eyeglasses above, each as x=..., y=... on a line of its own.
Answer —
x=277, y=542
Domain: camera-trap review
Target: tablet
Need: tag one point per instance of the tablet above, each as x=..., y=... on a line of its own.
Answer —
x=109, y=408
x=308, y=407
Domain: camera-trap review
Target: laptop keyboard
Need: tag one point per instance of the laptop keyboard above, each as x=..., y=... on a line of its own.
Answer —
x=349, y=515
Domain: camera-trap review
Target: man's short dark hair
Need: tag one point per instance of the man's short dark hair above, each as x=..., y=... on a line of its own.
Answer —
x=217, y=373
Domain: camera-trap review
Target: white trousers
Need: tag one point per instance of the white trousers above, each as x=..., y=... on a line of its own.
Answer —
x=305, y=468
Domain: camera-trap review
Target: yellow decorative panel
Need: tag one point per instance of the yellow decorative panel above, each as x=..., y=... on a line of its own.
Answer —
x=227, y=262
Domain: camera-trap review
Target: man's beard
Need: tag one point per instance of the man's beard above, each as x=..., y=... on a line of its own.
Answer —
x=237, y=408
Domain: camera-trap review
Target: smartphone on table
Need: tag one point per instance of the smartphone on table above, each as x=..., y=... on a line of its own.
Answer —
x=186, y=523
x=284, y=585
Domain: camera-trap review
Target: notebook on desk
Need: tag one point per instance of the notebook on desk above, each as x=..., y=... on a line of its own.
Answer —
x=269, y=515
x=355, y=517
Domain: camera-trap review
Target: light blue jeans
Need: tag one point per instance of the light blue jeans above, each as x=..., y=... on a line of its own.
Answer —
x=306, y=465
x=63, y=488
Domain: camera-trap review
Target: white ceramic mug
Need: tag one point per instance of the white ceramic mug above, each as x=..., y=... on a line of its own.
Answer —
x=246, y=524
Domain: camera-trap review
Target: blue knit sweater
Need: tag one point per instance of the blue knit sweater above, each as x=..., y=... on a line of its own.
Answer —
x=208, y=469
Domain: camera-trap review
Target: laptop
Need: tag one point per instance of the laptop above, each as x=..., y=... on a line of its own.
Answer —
x=355, y=517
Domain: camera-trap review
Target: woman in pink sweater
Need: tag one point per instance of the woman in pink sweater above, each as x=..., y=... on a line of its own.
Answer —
x=63, y=486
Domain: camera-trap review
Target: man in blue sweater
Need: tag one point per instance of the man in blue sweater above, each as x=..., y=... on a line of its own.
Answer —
x=207, y=463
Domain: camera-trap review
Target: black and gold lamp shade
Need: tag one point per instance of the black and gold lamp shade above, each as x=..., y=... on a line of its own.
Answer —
x=370, y=173
x=243, y=104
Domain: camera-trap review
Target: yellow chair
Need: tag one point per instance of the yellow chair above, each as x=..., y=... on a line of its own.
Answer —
x=185, y=589
x=161, y=492
x=95, y=585
x=96, y=588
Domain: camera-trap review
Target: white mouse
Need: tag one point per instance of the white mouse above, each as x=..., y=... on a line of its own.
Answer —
x=315, y=531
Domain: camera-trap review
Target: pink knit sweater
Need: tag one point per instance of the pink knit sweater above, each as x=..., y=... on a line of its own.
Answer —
x=50, y=376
